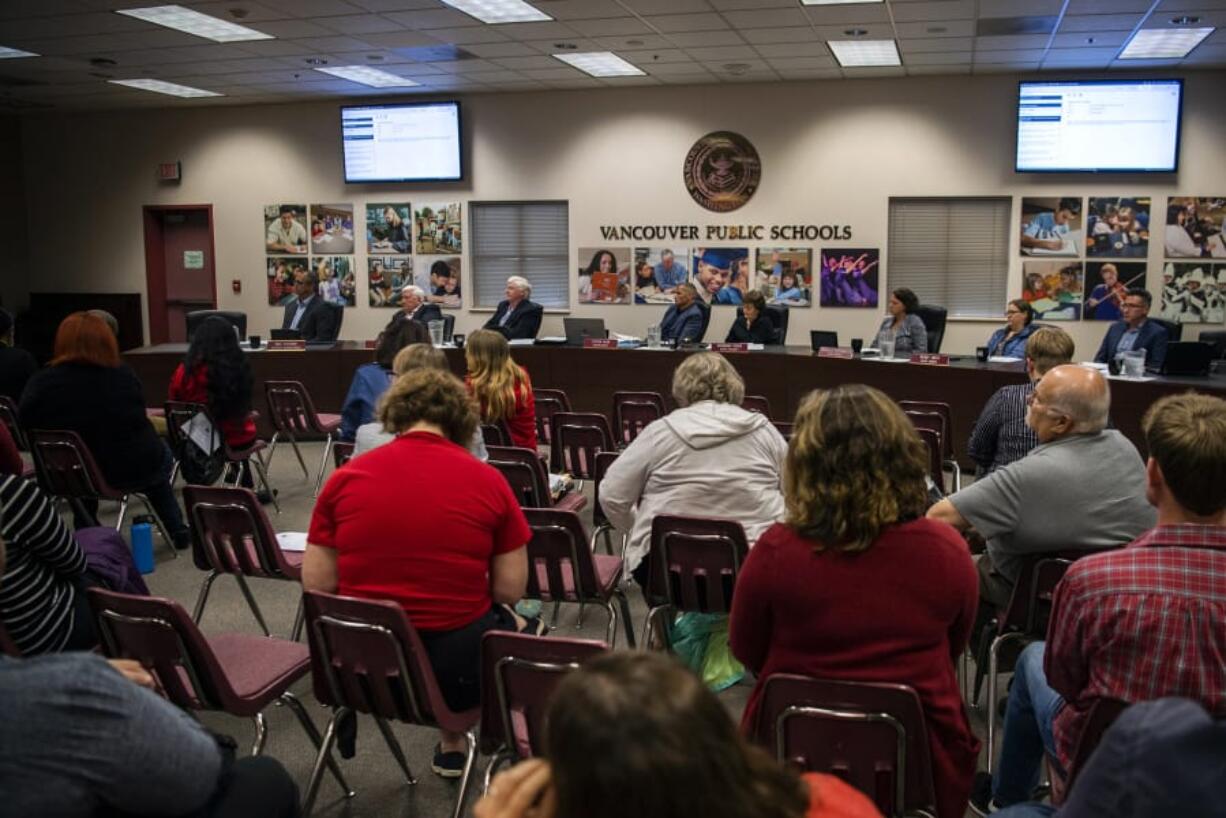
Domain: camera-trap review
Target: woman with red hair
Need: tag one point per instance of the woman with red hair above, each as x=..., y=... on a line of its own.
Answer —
x=87, y=390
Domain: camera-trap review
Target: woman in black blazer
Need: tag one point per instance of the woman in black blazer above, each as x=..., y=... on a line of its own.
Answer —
x=88, y=390
x=753, y=325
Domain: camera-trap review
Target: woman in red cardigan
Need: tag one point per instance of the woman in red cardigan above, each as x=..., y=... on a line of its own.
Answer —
x=501, y=386
x=855, y=585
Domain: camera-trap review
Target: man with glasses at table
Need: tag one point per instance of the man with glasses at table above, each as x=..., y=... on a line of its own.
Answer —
x=1135, y=332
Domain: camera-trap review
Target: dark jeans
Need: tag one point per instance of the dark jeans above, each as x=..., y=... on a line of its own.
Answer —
x=84, y=636
x=995, y=590
x=255, y=786
x=456, y=656
x=161, y=496
x=1032, y=707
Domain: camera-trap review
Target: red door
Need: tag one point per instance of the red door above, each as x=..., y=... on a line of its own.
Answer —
x=179, y=267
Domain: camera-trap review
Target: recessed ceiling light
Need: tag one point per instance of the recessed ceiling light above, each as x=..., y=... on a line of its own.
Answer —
x=14, y=53
x=364, y=74
x=863, y=53
x=634, y=43
x=1163, y=43
x=836, y=2
x=315, y=61
x=1185, y=21
x=162, y=87
x=855, y=32
x=193, y=22
x=565, y=46
x=374, y=57
x=937, y=29
x=600, y=64
x=102, y=62
x=737, y=68
x=500, y=11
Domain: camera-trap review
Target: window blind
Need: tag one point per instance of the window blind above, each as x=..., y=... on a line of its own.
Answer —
x=953, y=252
x=529, y=239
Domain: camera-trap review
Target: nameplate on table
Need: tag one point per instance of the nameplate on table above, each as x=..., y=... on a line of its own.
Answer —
x=836, y=352
x=369, y=344
x=929, y=359
x=729, y=347
x=285, y=346
x=600, y=343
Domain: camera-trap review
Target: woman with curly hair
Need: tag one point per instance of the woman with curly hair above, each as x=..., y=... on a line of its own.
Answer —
x=855, y=584
x=501, y=386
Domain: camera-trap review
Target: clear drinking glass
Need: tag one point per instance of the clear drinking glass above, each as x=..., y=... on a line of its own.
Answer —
x=886, y=345
x=436, y=333
x=1132, y=363
x=653, y=335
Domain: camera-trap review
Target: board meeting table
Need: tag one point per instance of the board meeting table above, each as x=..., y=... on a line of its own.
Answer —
x=783, y=375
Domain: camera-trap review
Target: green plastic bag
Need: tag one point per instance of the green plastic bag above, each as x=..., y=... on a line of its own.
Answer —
x=701, y=642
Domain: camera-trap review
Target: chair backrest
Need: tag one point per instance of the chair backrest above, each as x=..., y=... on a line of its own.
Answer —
x=10, y=456
x=939, y=408
x=448, y=327
x=518, y=676
x=757, y=403
x=8, y=416
x=603, y=461
x=339, y=309
x=706, y=320
x=560, y=565
x=577, y=438
x=365, y=655
x=694, y=562
x=342, y=453
x=496, y=434
x=237, y=319
x=231, y=533
x=779, y=317
x=932, y=439
x=177, y=414
x=1029, y=607
x=290, y=407
x=1215, y=339
x=1174, y=332
x=524, y=472
x=633, y=411
x=933, y=317
x=66, y=468
x=1103, y=713
x=871, y=735
x=785, y=429
x=548, y=401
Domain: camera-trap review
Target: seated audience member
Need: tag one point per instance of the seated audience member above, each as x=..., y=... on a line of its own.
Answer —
x=517, y=317
x=10, y=455
x=415, y=356
x=1135, y=332
x=709, y=457
x=1010, y=340
x=16, y=365
x=753, y=326
x=664, y=746
x=308, y=313
x=112, y=323
x=902, y=325
x=855, y=584
x=1137, y=623
x=42, y=595
x=371, y=380
x=83, y=737
x=1082, y=487
x=413, y=307
x=88, y=390
x=454, y=559
x=1001, y=435
x=502, y=387
x=1159, y=758
x=683, y=319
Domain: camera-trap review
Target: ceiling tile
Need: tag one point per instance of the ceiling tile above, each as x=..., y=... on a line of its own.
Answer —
x=938, y=58
x=801, y=63
x=654, y=57
x=668, y=23
x=310, y=8
x=1100, y=22
x=766, y=36
x=1106, y=6
x=872, y=31
x=501, y=50
x=944, y=70
x=666, y=6
x=468, y=35
x=1101, y=39
x=561, y=72
x=1011, y=43
x=1018, y=56
x=811, y=74
x=853, y=73
x=634, y=41
x=1019, y=8
x=539, y=62
x=610, y=27
x=1004, y=67
x=434, y=18
x=733, y=5
x=400, y=39
x=394, y=5
x=942, y=10
x=766, y=18
x=688, y=79
x=707, y=39
x=732, y=53
x=293, y=29
x=935, y=45
x=936, y=28
x=536, y=31
x=567, y=10
x=356, y=24
x=843, y=15
x=813, y=48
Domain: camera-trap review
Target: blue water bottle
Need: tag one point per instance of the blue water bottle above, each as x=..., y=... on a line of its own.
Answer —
x=142, y=544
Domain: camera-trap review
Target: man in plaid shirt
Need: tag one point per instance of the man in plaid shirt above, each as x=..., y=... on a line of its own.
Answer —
x=1136, y=624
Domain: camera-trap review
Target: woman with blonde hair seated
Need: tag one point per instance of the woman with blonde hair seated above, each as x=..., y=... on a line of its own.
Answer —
x=502, y=387
x=855, y=584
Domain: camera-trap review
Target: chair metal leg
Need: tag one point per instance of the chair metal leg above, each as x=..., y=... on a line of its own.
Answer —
x=990, y=706
x=629, y=623
x=325, y=753
x=123, y=511
x=251, y=603
x=174, y=473
x=313, y=734
x=397, y=752
x=161, y=525
x=470, y=738
x=261, y=734
x=579, y=619
x=262, y=470
x=499, y=758
x=557, y=607
x=299, y=621
x=293, y=441
x=204, y=595
x=610, y=630
x=323, y=466
x=272, y=446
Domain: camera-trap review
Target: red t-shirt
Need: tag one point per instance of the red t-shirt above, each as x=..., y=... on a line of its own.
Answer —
x=239, y=432
x=418, y=521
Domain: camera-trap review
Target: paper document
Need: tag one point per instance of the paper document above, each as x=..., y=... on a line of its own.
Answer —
x=292, y=540
x=1002, y=359
x=552, y=339
x=199, y=431
x=522, y=342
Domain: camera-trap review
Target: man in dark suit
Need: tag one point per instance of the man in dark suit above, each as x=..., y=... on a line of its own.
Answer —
x=414, y=307
x=314, y=319
x=1136, y=331
x=517, y=317
x=683, y=320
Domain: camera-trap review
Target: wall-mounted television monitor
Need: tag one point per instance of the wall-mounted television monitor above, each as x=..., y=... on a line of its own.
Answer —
x=412, y=142
x=1099, y=126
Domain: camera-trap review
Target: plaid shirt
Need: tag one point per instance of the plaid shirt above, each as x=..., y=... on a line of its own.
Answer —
x=1001, y=435
x=1140, y=623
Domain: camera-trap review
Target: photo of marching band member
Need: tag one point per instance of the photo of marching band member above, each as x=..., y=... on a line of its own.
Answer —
x=1194, y=227
x=1193, y=293
x=1107, y=283
x=849, y=277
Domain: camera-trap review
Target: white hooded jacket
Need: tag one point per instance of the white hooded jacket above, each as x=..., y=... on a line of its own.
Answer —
x=710, y=459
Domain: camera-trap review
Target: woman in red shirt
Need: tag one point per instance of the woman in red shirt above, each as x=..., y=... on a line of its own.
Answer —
x=501, y=386
x=855, y=584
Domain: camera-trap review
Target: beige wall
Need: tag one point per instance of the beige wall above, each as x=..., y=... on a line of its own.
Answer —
x=832, y=152
x=14, y=269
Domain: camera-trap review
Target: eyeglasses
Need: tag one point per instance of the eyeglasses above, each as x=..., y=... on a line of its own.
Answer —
x=1013, y=312
x=1133, y=306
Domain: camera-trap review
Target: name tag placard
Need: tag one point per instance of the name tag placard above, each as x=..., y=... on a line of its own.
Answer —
x=836, y=352
x=600, y=343
x=929, y=359
x=729, y=347
x=286, y=346
x=370, y=344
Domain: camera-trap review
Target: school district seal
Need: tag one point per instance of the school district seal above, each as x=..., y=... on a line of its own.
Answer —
x=722, y=171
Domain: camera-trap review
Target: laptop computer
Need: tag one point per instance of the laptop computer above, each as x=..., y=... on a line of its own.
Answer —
x=819, y=338
x=579, y=328
x=1187, y=358
x=284, y=334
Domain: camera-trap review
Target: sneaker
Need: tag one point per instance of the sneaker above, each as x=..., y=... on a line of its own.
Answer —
x=528, y=608
x=982, y=801
x=265, y=496
x=182, y=539
x=447, y=765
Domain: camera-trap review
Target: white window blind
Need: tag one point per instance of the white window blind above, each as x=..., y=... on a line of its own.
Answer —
x=953, y=252
x=529, y=239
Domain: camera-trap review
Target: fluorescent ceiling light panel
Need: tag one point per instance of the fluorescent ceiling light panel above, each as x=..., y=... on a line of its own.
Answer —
x=170, y=88
x=193, y=22
x=600, y=64
x=14, y=53
x=836, y=2
x=500, y=11
x=1163, y=43
x=864, y=53
x=364, y=74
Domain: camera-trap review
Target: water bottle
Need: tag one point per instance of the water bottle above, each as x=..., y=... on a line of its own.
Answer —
x=142, y=544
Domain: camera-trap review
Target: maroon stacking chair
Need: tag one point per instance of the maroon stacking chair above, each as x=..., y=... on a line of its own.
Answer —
x=932, y=441
x=562, y=568
x=67, y=469
x=871, y=735
x=8, y=417
x=7, y=646
x=519, y=673
x=496, y=434
x=342, y=453
x=293, y=415
x=602, y=526
x=692, y=567
x=525, y=472
x=180, y=413
x=10, y=456
x=548, y=401
x=367, y=658
x=757, y=403
x=234, y=673
x=785, y=429
x=1103, y=713
x=231, y=534
x=577, y=438
x=942, y=410
x=633, y=411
